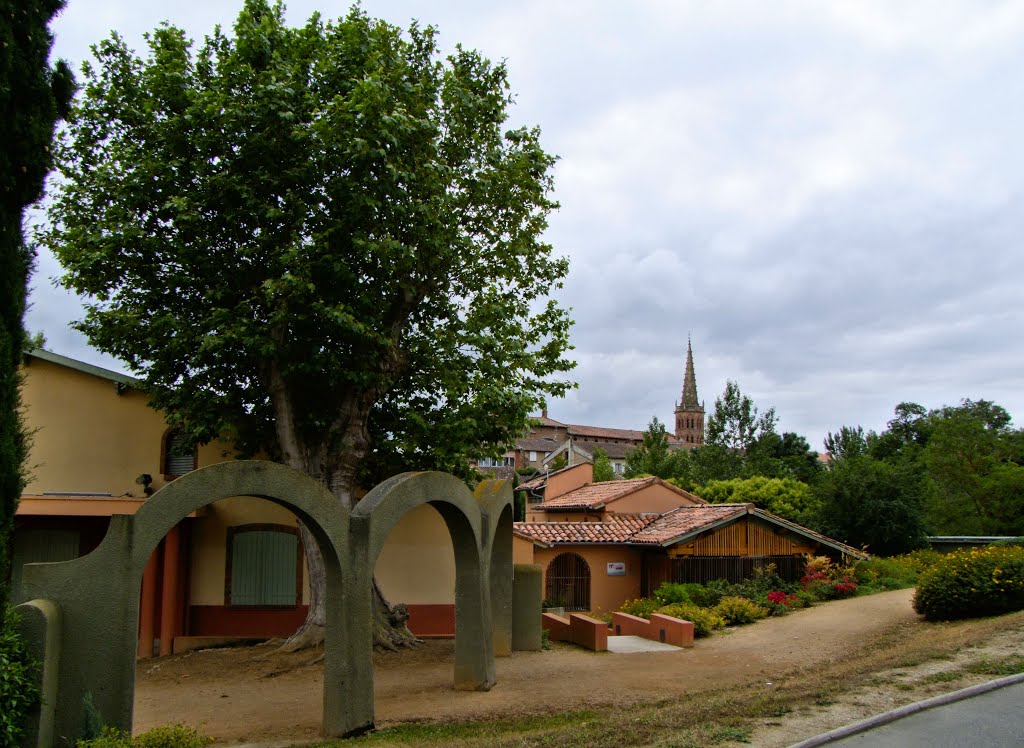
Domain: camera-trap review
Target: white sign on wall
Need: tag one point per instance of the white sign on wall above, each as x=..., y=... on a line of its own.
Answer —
x=617, y=569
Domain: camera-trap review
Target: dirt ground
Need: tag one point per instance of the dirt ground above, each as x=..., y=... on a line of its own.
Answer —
x=256, y=694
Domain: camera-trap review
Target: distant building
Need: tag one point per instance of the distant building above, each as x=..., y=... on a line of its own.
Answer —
x=548, y=439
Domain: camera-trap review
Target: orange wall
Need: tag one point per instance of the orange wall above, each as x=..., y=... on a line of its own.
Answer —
x=542, y=516
x=522, y=550
x=568, y=480
x=88, y=438
x=417, y=563
x=606, y=593
x=654, y=498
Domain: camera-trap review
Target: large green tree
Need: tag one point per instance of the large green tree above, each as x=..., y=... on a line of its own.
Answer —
x=976, y=461
x=653, y=456
x=786, y=497
x=324, y=242
x=32, y=97
x=735, y=422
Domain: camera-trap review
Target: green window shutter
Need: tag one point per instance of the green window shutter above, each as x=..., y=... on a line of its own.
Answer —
x=263, y=568
x=41, y=546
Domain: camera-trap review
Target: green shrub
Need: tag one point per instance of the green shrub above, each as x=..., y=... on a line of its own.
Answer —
x=669, y=592
x=704, y=620
x=965, y=584
x=708, y=595
x=641, y=606
x=168, y=736
x=1009, y=541
x=18, y=690
x=739, y=610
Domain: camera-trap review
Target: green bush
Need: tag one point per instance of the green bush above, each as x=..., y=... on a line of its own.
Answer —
x=169, y=736
x=739, y=610
x=641, y=606
x=985, y=581
x=687, y=592
x=18, y=690
x=892, y=573
x=708, y=595
x=1010, y=541
x=704, y=620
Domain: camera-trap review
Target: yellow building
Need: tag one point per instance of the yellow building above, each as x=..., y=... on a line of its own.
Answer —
x=233, y=569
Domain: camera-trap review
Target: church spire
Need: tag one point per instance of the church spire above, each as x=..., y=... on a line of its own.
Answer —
x=689, y=411
x=689, y=401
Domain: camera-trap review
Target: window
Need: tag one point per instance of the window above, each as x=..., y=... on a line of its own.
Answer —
x=40, y=546
x=496, y=462
x=179, y=455
x=533, y=456
x=264, y=566
x=619, y=468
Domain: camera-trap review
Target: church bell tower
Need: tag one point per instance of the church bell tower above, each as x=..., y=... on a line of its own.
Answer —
x=689, y=411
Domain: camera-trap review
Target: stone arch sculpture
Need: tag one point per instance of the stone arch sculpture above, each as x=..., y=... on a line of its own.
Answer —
x=96, y=597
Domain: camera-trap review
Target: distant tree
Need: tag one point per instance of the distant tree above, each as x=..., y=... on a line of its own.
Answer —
x=849, y=441
x=603, y=470
x=872, y=503
x=786, y=497
x=785, y=456
x=735, y=422
x=324, y=242
x=974, y=458
x=33, y=96
x=654, y=457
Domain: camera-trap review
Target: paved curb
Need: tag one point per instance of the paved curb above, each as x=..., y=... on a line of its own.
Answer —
x=904, y=711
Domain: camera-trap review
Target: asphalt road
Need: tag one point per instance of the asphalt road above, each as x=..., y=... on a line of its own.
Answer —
x=991, y=719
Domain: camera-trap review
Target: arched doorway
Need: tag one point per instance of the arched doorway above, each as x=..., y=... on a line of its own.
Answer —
x=568, y=581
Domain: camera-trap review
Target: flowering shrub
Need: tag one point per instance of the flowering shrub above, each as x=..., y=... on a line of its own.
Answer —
x=985, y=581
x=641, y=606
x=778, y=597
x=827, y=581
x=704, y=620
x=739, y=610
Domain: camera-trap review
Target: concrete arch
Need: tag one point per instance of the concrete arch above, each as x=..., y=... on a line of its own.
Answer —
x=96, y=597
x=98, y=594
x=377, y=514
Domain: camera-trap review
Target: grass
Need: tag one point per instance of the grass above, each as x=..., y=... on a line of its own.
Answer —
x=717, y=717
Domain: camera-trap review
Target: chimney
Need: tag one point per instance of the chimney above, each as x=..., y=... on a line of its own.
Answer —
x=544, y=413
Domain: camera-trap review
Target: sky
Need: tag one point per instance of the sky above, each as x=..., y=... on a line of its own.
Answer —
x=826, y=197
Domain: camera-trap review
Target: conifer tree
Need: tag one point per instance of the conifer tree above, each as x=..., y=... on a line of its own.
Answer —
x=32, y=97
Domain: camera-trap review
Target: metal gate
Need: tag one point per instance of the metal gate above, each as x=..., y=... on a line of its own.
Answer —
x=568, y=582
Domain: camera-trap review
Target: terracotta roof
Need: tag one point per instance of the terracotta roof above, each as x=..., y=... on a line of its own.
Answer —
x=545, y=421
x=598, y=432
x=618, y=528
x=665, y=529
x=685, y=520
x=596, y=495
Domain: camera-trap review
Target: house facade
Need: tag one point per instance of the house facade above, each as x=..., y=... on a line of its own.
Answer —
x=601, y=544
x=235, y=568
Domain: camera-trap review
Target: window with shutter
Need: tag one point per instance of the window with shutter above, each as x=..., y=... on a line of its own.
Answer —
x=179, y=455
x=264, y=565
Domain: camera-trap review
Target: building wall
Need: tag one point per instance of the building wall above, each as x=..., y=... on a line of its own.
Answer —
x=607, y=593
x=92, y=438
x=568, y=480
x=654, y=498
x=745, y=537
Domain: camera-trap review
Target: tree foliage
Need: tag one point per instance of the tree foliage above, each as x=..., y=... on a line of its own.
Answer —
x=735, y=422
x=653, y=456
x=872, y=503
x=32, y=97
x=322, y=242
x=786, y=497
x=603, y=470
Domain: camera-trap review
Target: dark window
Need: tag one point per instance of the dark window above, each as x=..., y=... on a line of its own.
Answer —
x=179, y=455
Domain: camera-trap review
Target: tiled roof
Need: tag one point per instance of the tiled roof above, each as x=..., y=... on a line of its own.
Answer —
x=685, y=520
x=545, y=421
x=596, y=495
x=537, y=445
x=614, y=451
x=618, y=528
x=597, y=432
x=664, y=529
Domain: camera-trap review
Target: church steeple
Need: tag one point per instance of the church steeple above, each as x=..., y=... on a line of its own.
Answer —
x=689, y=410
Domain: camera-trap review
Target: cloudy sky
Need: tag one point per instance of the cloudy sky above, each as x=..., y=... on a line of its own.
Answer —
x=826, y=196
